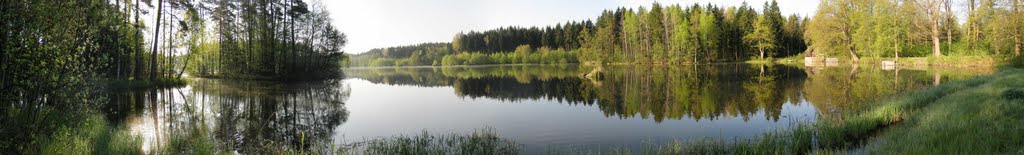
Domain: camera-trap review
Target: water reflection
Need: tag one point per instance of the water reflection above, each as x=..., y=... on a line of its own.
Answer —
x=538, y=106
x=239, y=116
x=703, y=92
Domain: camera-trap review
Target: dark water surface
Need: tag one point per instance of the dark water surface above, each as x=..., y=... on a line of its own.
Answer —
x=541, y=107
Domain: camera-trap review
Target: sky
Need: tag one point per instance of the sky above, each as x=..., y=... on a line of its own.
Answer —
x=385, y=23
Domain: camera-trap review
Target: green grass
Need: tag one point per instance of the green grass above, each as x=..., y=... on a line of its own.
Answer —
x=767, y=60
x=963, y=61
x=985, y=119
x=60, y=132
x=799, y=58
x=484, y=141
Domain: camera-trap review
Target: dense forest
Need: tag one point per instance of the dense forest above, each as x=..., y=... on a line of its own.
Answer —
x=285, y=40
x=412, y=55
x=508, y=45
x=59, y=56
x=847, y=29
x=672, y=34
x=894, y=28
x=695, y=34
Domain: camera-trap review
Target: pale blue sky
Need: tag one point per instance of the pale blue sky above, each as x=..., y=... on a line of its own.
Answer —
x=383, y=23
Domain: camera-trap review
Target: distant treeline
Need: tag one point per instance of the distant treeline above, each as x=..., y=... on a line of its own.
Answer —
x=848, y=29
x=488, y=47
x=673, y=34
x=412, y=55
x=568, y=36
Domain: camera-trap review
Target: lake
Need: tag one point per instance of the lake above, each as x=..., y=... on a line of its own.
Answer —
x=540, y=107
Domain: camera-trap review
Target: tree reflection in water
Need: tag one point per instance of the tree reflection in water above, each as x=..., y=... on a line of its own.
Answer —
x=667, y=92
x=238, y=116
x=260, y=117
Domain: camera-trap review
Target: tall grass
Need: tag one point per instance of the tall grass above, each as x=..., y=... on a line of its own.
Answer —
x=986, y=119
x=54, y=131
x=483, y=141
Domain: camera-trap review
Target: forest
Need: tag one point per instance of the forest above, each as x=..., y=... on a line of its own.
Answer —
x=959, y=31
x=855, y=29
x=58, y=57
x=507, y=45
x=660, y=35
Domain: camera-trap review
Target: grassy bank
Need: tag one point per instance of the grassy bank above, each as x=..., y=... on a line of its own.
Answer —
x=483, y=141
x=985, y=119
x=53, y=131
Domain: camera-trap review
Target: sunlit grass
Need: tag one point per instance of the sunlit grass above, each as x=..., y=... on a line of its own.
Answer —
x=986, y=119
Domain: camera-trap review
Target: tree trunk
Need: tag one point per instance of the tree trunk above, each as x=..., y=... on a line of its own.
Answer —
x=156, y=37
x=184, y=65
x=167, y=45
x=971, y=23
x=896, y=43
x=170, y=50
x=291, y=26
x=936, y=46
x=138, y=44
x=1017, y=34
x=761, y=49
x=1016, y=45
x=949, y=25
x=853, y=56
x=120, y=44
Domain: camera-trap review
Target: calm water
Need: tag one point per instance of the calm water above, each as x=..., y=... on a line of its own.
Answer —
x=541, y=107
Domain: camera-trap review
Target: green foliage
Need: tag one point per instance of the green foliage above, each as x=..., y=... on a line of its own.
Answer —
x=507, y=39
x=425, y=54
x=763, y=37
x=253, y=41
x=523, y=50
x=697, y=34
x=62, y=129
x=887, y=28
